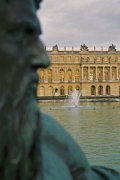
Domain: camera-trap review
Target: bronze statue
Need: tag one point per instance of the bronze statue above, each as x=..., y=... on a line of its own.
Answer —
x=33, y=146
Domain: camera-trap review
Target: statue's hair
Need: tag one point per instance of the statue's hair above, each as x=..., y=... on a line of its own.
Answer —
x=37, y=2
x=20, y=157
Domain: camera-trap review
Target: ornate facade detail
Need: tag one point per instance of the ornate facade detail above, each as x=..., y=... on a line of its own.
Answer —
x=96, y=73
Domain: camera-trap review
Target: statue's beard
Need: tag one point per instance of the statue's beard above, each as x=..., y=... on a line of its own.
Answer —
x=14, y=89
x=20, y=139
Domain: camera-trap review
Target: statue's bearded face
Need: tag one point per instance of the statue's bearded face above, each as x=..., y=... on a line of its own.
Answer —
x=21, y=51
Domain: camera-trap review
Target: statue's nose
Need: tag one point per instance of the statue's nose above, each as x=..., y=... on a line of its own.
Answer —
x=31, y=31
x=41, y=58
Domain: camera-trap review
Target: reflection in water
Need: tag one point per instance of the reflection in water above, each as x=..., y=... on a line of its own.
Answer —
x=96, y=127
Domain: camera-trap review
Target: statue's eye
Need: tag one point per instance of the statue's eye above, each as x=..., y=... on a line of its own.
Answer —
x=25, y=30
x=29, y=31
x=22, y=33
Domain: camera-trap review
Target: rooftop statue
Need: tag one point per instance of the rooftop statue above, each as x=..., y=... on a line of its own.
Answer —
x=55, y=48
x=84, y=48
x=112, y=48
x=33, y=146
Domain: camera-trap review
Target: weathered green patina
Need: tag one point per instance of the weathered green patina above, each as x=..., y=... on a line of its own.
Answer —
x=33, y=146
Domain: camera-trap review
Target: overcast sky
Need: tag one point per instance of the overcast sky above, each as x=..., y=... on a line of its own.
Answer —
x=74, y=22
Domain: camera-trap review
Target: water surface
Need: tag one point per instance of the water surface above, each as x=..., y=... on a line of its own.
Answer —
x=95, y=126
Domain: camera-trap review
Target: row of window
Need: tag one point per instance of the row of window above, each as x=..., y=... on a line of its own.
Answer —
x=91, y=74
x=83, y=59
x=100, y=73
x=61, y=75
x=94, y=90
x=70, y=90
x=100, y=90
x=51, y=91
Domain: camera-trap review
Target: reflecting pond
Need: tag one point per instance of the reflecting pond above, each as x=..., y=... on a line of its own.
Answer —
x=95, y=126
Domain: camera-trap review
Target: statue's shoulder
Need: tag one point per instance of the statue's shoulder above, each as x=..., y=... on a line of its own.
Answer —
x=51, y=126
x=54, y=134
x=52, y=130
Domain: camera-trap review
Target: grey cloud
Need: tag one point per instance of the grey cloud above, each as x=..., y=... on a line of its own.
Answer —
x=71, y=23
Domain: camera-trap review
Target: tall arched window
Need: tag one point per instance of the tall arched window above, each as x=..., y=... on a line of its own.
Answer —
x=50, y=91
x=77, y=75
x=42, y=75
x=41, y=91
x=62, y=90
x=85, y=73
x=100, y=73
x=69, y=75
x=62, y=75
x=100, y=90
x=49, y=75
x=114, y=73
x=70, y=89
x=107, y=90
x=92, y=74
x=93, y=90
x=107, y=73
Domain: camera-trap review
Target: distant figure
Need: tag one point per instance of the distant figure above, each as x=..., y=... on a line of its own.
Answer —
x=33, y=146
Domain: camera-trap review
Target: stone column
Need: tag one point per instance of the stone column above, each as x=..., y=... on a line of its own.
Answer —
x=53, y=74
x=65, y=70
x=96, y=90
x=96, y=74
x=117, y=74
x=46, y=76
x=66, y=90
x=82, y=73
x=110, y=73
x=73, y=74
x=103, y=73
x=88, y=72
x=58, y=75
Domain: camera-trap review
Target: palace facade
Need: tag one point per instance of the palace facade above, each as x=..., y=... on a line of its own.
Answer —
x=93, y=73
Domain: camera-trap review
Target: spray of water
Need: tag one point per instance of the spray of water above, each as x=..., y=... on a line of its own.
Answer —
x=75, y=98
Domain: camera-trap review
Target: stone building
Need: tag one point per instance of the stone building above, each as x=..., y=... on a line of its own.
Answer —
x=93, y=73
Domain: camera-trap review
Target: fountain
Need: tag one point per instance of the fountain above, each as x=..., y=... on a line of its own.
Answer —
x=74, y=98
x=72, y=101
